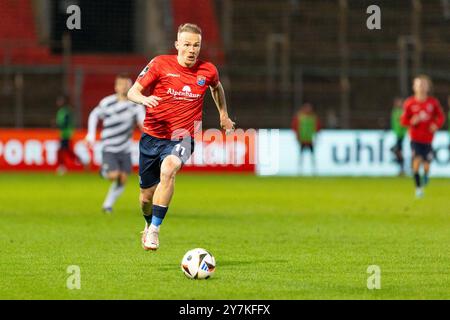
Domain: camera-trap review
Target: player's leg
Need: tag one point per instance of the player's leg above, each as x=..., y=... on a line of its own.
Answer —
x=416, y=168
x=146, y=202
x=149, y=178
x=428, y=157
x=61, y=157
x=161, y=199
x=110, y=198
x=313, y=158
x=149, y=240
x=110, y=170
x=164, y=191
x=396, y=150
x=417, y=161
x=121, y=165
x=417, y=158
x=300, y=156
x=116, y=189
x=426, y=170
x=173, y=155
x=165, y=188
x=399, y=156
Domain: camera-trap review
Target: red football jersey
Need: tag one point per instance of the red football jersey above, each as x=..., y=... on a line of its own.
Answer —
x=182, y=90
x=429, y=111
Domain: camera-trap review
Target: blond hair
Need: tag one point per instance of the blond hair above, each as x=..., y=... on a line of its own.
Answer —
x=189, y=27
x=123, y=75
x=427, y=79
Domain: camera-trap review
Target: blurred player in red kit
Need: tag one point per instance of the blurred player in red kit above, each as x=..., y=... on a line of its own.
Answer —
x=424, y=116
x=177, y=86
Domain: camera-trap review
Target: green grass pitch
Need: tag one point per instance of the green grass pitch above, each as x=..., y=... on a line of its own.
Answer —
x=273, y=238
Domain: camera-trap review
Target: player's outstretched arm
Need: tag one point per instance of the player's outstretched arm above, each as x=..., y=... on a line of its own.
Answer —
x=218, y=95
x=439, y=117
x=135, y=95
x=92, y=126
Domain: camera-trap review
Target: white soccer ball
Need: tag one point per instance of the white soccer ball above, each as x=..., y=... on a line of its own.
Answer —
x=198, y=264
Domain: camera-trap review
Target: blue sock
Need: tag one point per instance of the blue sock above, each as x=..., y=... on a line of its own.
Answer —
x=425, y=179
x=158, y=214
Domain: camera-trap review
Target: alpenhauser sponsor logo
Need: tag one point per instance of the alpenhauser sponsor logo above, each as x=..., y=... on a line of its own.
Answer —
x=184, y=93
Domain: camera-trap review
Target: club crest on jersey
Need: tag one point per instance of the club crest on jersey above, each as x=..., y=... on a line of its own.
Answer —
x=143, y=72
x=201, y=80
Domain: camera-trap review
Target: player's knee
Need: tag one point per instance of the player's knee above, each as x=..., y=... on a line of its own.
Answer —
x=167, y=175
x=113, y=175
x=123, y=178
x=145, y=198
x=144, y=201
x=169, y=169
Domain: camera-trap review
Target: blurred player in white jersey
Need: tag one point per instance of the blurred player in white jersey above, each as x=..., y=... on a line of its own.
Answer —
x=120, y=117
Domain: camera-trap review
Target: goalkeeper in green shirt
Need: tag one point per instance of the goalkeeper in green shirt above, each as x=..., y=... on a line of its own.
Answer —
x=65, y=124
x=400, y=132
x=306, y=124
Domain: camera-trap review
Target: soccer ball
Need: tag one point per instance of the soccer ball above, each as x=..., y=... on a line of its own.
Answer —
x=198, y=264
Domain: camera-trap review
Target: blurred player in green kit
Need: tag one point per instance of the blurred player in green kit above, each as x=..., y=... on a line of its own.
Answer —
x=400, y=132
x=448, y=123
x=306, y=124
x=66, y=126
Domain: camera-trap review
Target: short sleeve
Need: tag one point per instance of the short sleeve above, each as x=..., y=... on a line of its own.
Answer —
x=215, y=77
x=439, y=113
x=149, y=74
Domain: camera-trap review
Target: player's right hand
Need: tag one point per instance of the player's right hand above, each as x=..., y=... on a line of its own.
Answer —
x=89, y=139
x=151, y=101
x=227, y=124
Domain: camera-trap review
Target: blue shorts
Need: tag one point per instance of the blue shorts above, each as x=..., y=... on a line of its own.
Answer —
x=152, y=152
x=423, y=150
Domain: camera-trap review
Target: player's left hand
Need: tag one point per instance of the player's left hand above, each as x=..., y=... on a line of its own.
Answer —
x=227, y=125
x=415, y=119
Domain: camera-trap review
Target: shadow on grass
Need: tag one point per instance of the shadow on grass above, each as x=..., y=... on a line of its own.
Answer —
x=227, y=263
x=202, y=217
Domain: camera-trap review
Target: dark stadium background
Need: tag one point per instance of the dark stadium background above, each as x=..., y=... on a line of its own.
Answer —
x=272, y=55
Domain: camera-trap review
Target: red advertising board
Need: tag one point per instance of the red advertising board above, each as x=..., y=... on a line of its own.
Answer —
x=37, y=149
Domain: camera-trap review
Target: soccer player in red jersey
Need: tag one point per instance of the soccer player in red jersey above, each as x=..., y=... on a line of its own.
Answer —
x=424, y=116
x=176, y=85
